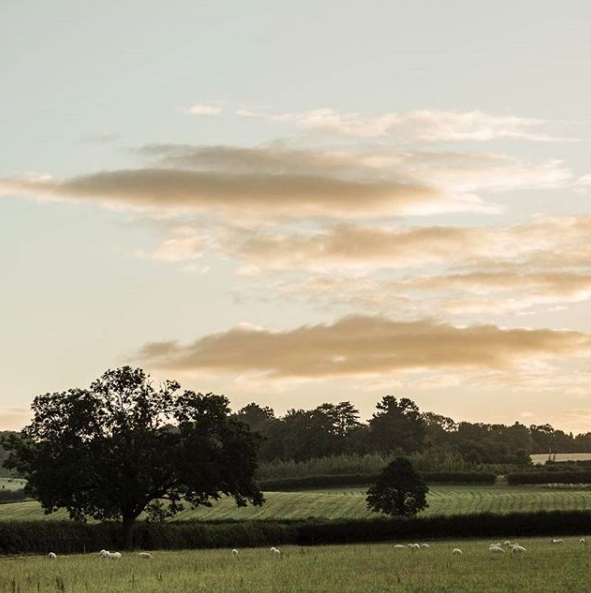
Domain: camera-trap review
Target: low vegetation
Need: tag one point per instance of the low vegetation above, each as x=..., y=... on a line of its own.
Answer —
x=375, y=568
x=349, y=503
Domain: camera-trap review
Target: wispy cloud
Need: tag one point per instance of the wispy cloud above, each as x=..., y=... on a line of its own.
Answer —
x=426, y=125
x=203, y=109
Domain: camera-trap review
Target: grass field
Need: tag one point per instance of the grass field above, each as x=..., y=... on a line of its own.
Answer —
x=544, y=568
x=11, y=484
x=350, y=503
x=541, y=458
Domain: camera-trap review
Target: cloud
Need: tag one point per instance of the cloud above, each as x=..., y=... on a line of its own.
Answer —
x=204, y=110
x=250, y=194
x=540, y=265
x=362, y=345
x=426, y=125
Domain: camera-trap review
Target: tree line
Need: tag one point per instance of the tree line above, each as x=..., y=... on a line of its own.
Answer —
x=399, y=427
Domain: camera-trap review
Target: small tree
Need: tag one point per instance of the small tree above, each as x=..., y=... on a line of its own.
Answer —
x=121, y=447
x=399, y=490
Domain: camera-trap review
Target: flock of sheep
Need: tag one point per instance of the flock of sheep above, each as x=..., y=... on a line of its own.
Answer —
x=146, y=555
x=495, y=548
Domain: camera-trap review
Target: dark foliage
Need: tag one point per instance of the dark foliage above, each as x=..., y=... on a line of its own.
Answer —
x=399, y=490
x=550, y=477
x=121, y=447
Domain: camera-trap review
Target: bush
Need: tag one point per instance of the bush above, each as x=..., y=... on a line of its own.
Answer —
x=12, y=495
x=550, y=477
x=362, y=480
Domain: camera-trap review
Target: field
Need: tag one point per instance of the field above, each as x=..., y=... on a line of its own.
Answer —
x=544, y=568
x=541, y=458
x=11, y=484
x=350, y=503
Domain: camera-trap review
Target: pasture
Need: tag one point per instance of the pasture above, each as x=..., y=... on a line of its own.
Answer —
x=544, y=568
x=350, y=504
x=541, y=458
x=11, y=484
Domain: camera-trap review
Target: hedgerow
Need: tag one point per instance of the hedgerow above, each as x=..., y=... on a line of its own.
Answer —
x=66, y=537
x=550, y=477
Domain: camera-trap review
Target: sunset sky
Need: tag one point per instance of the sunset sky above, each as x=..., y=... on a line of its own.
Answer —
x=294, y=203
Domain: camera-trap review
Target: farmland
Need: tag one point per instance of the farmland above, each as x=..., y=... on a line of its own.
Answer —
x=369, y=568
x=350, y=504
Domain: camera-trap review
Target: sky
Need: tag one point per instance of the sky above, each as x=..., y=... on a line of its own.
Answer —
x=293, y=203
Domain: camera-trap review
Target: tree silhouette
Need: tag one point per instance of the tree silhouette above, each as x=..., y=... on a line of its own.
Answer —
x=121, y=447
x=399, y=490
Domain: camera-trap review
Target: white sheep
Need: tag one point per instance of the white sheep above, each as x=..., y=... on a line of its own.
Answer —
x=145, y=555
x=496, y=550
x=517, y=549
x=413, y=547
x=110, y=555
x=425, y=546
x=582, y=541
x=275, y=550
x=557, y=541
x=52, y=556
x=457, y=552
x=235, y=552
x=400, y=547
x=507, y=543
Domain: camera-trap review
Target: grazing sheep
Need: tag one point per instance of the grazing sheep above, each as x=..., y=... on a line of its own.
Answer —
x=275, y=550
x=413, y=547
x=457, y=551
x=235, y=552
x=507, y=543
x=425, y=546
x=557, y=541
x=582, y=541
x=145, y=555
x=400, y=547
x=496, y=550
x=517, y=549
x=52, y=556
x=110, y=555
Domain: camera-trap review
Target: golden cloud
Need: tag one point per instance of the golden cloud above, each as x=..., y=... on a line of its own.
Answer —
x=362, y=345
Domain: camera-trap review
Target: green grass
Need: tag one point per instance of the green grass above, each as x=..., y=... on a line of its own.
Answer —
x=376, y=568
x=11, y=484
x=350, y=503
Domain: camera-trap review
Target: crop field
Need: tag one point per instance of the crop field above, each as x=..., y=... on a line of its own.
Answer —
x=11, y=484
x=541, y=458
x=543, y=568
x=350, y=504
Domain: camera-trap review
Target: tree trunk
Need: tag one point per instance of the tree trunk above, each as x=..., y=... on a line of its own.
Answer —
x=127, y=532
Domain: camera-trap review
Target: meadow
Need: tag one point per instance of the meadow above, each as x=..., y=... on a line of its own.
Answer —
x=545, y=567
x=350, y=504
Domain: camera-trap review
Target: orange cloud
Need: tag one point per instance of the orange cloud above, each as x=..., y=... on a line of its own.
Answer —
x=361, y=345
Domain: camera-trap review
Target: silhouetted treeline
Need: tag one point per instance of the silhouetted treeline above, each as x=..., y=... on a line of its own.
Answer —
x=398, y=426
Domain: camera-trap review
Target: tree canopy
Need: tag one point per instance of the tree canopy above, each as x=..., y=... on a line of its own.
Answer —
x=122, y=447
x=399, y=490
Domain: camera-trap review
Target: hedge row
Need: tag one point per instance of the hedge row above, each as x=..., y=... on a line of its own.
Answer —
x=69, y=537
x=12, y=495
x=482, y=525
x=351, y=480
x=66, y=537
x=570, y=477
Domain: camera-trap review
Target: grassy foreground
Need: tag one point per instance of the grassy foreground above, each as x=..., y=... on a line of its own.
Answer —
x=350, y=504
x=369, y=568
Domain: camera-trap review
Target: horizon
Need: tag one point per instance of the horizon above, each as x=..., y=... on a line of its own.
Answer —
x=298, y=205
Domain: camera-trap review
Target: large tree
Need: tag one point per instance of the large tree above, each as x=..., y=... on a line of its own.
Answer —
x=398, y=490
x=397, y=425
x=122, y=447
